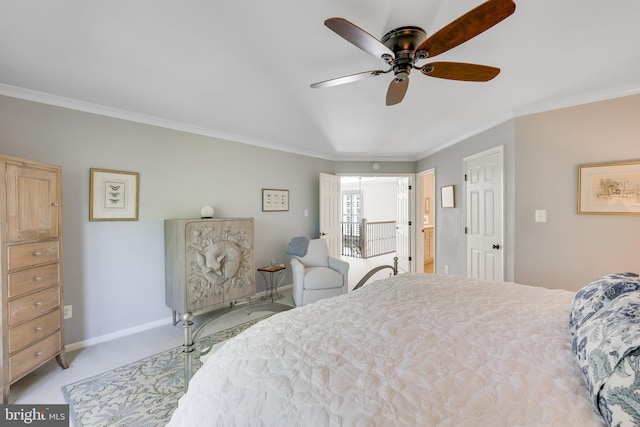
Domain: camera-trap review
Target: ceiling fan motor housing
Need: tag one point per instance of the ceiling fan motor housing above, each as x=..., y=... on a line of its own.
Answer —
x=403, y=41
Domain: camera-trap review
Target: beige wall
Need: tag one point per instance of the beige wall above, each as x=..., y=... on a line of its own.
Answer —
x=449, y=223
x=570, y=249
x=542, y=154
x=114, y=271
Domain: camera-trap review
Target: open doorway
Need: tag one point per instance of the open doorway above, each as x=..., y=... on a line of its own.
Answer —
x=426, y=238
x=375, y=224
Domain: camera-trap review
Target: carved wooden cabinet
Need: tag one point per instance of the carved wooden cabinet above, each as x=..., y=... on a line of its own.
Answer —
x=31, y=268
x=208, y=263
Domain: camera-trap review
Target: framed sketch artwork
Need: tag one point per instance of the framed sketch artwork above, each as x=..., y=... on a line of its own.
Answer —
x=609, y=188
x=113, y=195
x=275, y=200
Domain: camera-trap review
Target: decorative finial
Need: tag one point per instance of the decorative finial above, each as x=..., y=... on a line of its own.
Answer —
x=206, y=212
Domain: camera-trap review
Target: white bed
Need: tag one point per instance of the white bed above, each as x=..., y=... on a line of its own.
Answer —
x=411, y=350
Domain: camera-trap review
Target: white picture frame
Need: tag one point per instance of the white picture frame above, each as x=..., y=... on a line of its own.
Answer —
x=275, y=200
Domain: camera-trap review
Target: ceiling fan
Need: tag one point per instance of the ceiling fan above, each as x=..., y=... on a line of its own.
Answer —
x=402, y=47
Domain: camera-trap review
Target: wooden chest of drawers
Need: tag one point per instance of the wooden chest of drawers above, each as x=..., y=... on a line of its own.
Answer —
x=31, y=268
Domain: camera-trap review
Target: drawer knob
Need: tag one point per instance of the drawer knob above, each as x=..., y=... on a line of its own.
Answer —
x=37, y=253
x=37, y=304
x=37, y=278
x=55, y=204
x=38, y=328
x=38, y=353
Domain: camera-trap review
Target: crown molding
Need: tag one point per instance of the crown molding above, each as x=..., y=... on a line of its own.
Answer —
x=101, y=110
x=87, y=107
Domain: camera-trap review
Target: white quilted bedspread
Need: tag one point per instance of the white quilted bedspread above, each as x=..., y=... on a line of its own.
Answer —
x=411, y=350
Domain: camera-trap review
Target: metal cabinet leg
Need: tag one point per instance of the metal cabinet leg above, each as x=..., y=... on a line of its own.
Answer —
x=187, y=349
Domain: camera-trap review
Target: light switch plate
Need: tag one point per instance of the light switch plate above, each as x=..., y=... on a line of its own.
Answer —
x=541, y=216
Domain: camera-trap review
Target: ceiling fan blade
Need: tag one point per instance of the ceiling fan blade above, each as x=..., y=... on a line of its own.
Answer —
x=460, y=71
x=347, y=79
x=469, y=25
x=358, y=37
x=396, y=91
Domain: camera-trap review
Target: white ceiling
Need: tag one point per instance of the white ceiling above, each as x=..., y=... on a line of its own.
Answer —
x=241, y=69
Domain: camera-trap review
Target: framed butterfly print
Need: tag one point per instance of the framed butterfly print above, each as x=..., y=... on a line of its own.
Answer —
x=114, y=195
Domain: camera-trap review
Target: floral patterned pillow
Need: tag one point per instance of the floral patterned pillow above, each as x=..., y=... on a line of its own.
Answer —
x=607, y=345
x=596, y=294
x=620, y=395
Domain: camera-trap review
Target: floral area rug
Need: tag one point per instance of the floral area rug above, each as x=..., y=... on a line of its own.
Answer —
x=142, y=394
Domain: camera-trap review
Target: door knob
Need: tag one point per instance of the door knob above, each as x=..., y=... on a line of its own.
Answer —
x=496, y=246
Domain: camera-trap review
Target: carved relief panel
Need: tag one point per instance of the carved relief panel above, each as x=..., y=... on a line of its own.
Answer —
x=208, y=262
x=220, y=259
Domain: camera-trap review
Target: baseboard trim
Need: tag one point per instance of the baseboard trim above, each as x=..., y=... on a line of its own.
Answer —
x=137, y=329
x=118, y=334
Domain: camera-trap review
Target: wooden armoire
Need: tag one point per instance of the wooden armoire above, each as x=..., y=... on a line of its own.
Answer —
x=30, y=268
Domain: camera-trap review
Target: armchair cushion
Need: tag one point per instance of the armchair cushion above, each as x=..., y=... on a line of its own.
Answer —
x=322, y=278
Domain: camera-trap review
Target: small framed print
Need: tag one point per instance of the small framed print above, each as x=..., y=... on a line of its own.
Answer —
x=448, y=199
x=275, y=200
x=113, y=195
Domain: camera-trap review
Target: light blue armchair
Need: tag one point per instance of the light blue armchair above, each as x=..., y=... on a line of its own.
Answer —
x=317, y=275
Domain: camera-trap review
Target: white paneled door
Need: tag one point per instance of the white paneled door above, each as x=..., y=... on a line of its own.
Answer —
x=330, y=213
x=484, y=215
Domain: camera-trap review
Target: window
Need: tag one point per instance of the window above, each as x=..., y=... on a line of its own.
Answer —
x=351, y=206
x=351, y=222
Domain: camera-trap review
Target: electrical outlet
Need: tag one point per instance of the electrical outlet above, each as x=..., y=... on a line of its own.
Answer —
x=68, y=312
x=446, y=269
